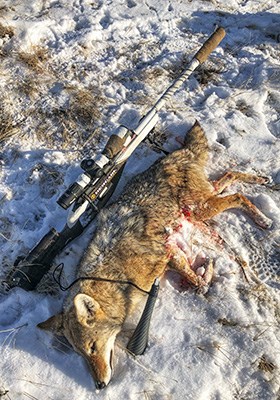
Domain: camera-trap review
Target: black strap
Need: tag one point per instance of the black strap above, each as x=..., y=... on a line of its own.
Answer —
x=89, y=278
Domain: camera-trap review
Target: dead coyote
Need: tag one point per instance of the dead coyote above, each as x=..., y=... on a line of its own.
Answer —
x=133, y=242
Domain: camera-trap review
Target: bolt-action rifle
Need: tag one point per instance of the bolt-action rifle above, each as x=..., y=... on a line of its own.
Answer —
x=94, y=187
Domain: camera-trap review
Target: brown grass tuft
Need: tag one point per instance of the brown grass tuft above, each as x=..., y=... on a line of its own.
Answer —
x=85, y=105
x=73, y=123
x=65, y=117
x=265, y=365
x=7, y=126
x=35, y=59
x=28, y=86
x=6, y=31
x=209, y=72
x=47, y=177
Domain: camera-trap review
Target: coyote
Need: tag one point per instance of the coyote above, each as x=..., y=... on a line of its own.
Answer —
x=134, y=241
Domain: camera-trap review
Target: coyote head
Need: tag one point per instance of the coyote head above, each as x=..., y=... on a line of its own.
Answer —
x=91, y=333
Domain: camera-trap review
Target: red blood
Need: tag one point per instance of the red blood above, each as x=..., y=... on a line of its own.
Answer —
x=186, y=212
x=178, y=227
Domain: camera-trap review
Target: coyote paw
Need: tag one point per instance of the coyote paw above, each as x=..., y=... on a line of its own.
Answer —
x=263, y=221
x=203, y=289
x=205, y=275
x=264, y=180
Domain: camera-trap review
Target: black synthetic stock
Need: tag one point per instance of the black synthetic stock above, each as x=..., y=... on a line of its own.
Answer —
x=139, y=340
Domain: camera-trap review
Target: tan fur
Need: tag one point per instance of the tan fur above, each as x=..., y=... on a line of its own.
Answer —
x=130, y=243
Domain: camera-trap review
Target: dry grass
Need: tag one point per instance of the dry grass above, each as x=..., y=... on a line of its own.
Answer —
x=6, y=228
x=152, y=74
x=47, y=286
x=209, y=72
x=265, y=365
x=52, y=109
x=47, y=177
x=85, y=104
x=156, y=139
x=28, y=87
x=175, y=69
x=8, y=127
x=205, y=73
x=4, y=392
x=73, y=124
x=67, y=125
x=6, y=31
x=36, y=59
x=227, y=322
x=245, y=108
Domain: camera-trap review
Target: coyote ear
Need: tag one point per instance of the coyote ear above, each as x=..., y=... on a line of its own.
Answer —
x=86, y=309
x=53, y=324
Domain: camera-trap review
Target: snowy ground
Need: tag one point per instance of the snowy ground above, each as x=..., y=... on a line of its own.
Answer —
x=70, y=73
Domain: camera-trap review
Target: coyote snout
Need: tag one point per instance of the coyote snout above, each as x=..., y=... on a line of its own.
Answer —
x=137, y=238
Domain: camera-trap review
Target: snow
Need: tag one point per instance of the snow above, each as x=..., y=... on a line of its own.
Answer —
x=96, y=64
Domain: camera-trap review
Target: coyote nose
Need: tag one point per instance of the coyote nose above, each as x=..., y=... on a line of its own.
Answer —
x=100, y=385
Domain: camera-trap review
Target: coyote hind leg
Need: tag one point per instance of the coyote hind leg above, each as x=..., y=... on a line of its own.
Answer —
x=226, y=180
x=216, y=205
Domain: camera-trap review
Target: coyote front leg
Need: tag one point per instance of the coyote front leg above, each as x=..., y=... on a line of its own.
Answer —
x=178, y=261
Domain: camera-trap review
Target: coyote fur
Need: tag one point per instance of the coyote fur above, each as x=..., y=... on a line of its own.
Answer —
x=132, y=243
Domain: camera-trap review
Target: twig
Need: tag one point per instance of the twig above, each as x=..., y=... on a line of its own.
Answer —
x=11, y=333
x=30, y=396
x=256, y=337
x=38, y=384
x=13, y=329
